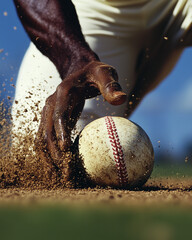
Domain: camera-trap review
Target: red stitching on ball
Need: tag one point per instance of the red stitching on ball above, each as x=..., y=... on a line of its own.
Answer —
x=117, y=151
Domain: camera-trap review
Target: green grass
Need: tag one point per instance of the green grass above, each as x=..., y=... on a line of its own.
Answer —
x=172, y=170
x=95, y=223
x=168, y=222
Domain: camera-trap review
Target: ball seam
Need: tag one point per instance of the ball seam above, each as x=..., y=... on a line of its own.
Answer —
x=117, y=151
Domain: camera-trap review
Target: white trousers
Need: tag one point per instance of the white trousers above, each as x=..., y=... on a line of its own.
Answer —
x=117, y=31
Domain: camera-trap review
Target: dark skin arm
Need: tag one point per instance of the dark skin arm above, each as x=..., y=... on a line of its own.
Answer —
x=54, y=28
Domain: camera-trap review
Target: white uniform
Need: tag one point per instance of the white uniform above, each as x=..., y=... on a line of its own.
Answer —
x=117, y=30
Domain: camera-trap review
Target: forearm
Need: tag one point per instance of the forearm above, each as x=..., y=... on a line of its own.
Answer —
x=54, y=28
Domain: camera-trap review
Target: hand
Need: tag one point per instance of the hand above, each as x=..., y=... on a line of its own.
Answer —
x=63, y=108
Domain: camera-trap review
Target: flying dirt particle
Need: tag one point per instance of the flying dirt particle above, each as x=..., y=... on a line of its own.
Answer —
x=15, y=28
x=30, y=93
x=186, y=159
x=5, y=14
x=3, y=122
x=1, y=50
x=35, y=119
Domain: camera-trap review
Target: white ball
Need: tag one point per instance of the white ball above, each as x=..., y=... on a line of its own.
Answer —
x=116, y=152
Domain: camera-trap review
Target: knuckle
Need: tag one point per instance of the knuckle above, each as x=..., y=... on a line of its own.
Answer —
x=114, y=74
x=109, y=70
x=113, y=85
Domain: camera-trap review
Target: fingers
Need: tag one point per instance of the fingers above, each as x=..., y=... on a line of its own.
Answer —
x=69, y=104
x=113, y=93
x=61, y=116
x=106, y=80
x=47, y=144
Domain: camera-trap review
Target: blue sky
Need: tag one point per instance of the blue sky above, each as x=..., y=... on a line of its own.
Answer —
x=165, y=114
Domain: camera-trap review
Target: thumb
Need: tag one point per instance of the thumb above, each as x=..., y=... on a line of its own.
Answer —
x=112, y=93
x=106, y=79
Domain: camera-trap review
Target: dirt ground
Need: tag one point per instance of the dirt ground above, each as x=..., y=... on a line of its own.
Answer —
x=24, y=182
x=155, y=192
x=27, y=181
